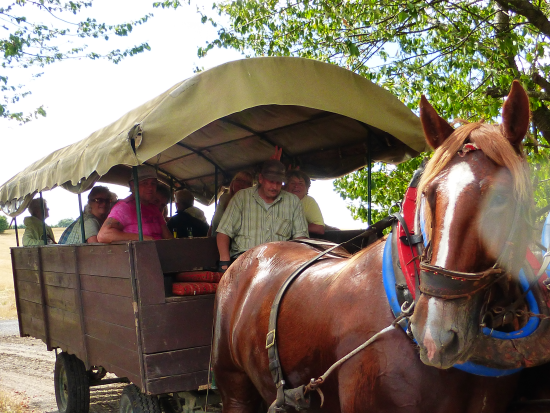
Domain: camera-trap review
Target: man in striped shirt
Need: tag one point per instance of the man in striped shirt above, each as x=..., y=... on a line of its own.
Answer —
x=260, y=214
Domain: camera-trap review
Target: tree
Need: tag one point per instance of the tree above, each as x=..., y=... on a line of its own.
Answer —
x=36, y=33
x=64, y=223
x=3, y=223
x=463, y=55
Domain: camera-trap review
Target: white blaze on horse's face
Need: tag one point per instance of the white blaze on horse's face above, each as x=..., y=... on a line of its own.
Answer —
x=459, y=177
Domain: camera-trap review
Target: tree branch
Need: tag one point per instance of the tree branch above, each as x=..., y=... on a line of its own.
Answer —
x=524, y=8
x=541, y=119
x=542, y=82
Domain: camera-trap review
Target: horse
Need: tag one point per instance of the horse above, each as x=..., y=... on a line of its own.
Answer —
x=339, y=303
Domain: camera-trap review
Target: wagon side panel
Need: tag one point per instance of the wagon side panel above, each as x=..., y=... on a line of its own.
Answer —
x=109, y=309
x=47, y=297
x=176, y=332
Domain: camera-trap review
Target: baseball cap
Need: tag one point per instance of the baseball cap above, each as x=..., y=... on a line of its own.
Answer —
x=273, y=170
x=144, y=172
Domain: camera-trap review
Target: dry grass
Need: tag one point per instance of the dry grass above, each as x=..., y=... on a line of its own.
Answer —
x=7, y=297
x=12, y=403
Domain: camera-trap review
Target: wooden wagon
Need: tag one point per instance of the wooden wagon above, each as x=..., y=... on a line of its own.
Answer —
x=109, y=308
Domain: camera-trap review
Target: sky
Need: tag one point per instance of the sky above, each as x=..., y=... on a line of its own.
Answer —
x=81, y=96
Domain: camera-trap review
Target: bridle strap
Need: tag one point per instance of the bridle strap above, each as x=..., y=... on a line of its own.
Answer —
x=443, y=283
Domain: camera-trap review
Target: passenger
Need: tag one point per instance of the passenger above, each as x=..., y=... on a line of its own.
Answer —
x=95, y=213
x=34, y=225
x=260, y=214
x=241, y=180
x=122, y=222
x=162, y=200
x=183, y=224
x=298, y=183
x=186, y=200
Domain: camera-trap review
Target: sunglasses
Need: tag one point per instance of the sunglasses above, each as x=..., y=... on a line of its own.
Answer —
x=102, y=200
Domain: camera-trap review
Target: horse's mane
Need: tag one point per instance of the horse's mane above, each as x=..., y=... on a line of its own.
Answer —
x=490, y=140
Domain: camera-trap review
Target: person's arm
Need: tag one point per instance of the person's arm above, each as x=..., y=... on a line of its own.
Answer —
x=299, y=223
x=92, y=239
x=314, y=217
x=31, y=238
x=316, y=229
x=224, y=243
x=112, y=230
x=166, y=233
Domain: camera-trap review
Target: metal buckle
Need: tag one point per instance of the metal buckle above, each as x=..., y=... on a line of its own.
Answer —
x=270, y=341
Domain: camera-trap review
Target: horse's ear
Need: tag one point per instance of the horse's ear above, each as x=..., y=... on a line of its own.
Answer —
x=436, y=129
x=515, y=115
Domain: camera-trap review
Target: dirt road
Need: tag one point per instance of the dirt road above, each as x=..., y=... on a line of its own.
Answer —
x=26, y=367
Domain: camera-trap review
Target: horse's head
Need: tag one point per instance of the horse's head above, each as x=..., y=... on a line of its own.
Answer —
x=472, y=199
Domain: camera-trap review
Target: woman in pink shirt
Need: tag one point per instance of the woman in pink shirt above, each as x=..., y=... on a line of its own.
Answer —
x=122, y=223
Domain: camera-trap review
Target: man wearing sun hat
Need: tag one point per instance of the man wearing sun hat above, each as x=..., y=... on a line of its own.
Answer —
x=260, y=214
x=122, y=222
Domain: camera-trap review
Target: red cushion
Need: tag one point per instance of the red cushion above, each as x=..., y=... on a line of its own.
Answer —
x=187, y=288
x=203, y=276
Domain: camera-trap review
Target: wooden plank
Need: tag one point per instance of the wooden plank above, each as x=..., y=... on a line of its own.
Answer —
x=59, y=258
x=16, y=291
x=178, y=362
x=25, y=258
x=182, y=382
x=27, y=275
x=107, y=285
x=63, y=298
x=43, y=299
x=65, y=328
x=185, y=254
x=149, y=277
x=32, y=319
x=122, y=336
x=115, y=359
x=78, y=296
x=176, y=326
x=57, y=279
x=110, y=308
x=32, y=327
x=29, y=291
x=104, y=260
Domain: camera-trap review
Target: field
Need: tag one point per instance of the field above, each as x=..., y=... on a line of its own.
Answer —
x=7, y=298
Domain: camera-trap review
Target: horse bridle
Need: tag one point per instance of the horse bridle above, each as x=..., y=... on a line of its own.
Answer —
x=447, y=284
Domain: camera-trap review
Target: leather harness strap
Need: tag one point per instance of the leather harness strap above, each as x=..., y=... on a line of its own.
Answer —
x=271, y=338
x=412, y=241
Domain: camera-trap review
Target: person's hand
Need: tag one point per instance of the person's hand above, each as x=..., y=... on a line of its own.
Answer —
x=223, y=265
x=148, y=238
x=277, y=154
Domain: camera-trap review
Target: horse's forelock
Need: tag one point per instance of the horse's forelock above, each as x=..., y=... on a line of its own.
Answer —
x=494, y=145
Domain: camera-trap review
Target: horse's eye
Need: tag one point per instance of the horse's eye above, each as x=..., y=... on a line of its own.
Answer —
x=498, y=200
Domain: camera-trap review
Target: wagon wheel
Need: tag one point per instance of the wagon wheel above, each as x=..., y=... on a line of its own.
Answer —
x=134, y=401
x=72, y=390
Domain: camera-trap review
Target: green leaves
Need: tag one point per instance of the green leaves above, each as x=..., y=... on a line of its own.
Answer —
x=26, y=43
x=389, y=184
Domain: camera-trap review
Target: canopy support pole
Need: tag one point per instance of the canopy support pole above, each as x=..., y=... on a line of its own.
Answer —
x=216, y=188
x=171, y=193
x=369, y=189
x=81, y=219
x=16, y=231
x=44, y=233
x=138, y=201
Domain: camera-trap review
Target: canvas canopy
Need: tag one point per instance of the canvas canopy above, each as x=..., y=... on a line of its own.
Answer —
x=206, y=128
